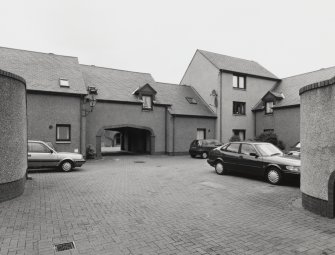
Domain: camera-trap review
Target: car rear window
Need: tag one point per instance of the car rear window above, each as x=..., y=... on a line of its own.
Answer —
x=211, y=142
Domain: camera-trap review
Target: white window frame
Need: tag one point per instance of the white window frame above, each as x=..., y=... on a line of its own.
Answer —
x=64, y=83
x=237, y=82
x=145, y=106
x=269, y=107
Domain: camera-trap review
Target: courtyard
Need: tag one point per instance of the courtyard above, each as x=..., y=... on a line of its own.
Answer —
x=159, y=205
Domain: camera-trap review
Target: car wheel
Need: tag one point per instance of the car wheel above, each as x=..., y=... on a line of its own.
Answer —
x=192, y=155
x=66, y=166
x=204, y=155
x=273, y=176
x=219, y=168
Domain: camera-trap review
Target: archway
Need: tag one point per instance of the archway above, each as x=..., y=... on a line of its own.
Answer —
x=134, y=138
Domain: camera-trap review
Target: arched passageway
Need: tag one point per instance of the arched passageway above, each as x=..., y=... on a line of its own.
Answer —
x=132, y=138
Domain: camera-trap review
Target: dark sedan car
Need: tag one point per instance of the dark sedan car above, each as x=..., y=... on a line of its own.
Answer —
x=255, y=158
x=202, y=147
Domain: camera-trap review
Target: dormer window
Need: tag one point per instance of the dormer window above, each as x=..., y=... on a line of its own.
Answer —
x=146, y=94
x=147, y=102
x=191, y=100
x=268, y=107
x=64, y=83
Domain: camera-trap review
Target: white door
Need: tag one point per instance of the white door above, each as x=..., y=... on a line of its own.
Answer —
x=201, y=134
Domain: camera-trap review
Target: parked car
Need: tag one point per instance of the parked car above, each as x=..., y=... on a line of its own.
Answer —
x=202, y=147
x=41, y=155
x=295, y=150
x=255, y=158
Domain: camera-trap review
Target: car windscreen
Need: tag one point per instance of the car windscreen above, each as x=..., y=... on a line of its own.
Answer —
x=268, y=149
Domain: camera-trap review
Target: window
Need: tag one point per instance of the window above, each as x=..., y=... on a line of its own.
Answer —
x=63, y=133
x=239, y=82
x=239, y=108
x=38, y=148
x=201, y=133
x=233, y=147
x=191, y=100
x=269, y=130
x=246, y=149
x=64, y=83
x=240, y=133
x=268, y=108
x=147, y=102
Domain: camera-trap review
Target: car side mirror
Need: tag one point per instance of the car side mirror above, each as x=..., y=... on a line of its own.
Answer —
x=51, y=151
x=253, y=154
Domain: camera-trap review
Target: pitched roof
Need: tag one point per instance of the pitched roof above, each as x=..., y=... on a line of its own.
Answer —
x=114, y=84
x=238, y=65
x=42, y=71
x=290, y=86
x=175, y=95
x=119, y=85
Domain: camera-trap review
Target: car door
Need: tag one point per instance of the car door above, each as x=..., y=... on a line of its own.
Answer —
x=231, y=156
x=249, y=164
x=39, y=155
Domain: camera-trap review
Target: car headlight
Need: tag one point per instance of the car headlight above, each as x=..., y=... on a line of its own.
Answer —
x=293, y=168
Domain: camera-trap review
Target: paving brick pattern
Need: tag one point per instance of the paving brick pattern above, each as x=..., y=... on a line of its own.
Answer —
x=166, y=205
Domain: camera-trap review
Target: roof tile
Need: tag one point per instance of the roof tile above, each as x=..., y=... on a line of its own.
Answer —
x=237, y=65
x=42, y=71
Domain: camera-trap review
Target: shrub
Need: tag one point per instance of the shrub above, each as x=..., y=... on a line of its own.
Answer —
x=235, y=138
x=90, y=152
x=270, y=137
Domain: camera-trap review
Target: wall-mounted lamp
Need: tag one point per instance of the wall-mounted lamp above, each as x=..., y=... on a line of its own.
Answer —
x=214, y=94
x=90, y=100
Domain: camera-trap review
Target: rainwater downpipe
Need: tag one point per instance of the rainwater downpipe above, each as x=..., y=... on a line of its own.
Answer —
x=220, y=102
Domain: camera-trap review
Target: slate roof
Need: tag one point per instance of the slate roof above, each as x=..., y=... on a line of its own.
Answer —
x=176, y=96
x=290, y=86
x=238, y=65
x=42, y=71
x=119, y=85
x=114, y=84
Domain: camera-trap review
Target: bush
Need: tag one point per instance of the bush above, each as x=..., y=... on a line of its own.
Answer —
x=270, y=137
x=90, y=152
x=235, y=138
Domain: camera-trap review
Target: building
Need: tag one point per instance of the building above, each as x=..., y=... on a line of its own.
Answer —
x=55, y=92
x=151, y=117
x=279, y=109
x=74, y=106
x=232, y=87
x=247, y=98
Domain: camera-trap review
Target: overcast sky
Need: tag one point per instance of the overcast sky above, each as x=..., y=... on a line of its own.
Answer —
x=287, y=37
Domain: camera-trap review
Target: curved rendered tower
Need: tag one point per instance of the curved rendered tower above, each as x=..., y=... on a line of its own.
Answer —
x=13, y=135
x=317, y=135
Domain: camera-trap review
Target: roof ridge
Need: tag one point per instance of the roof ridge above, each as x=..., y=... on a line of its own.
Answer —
x=269, y=75
x=50, y=53
x=228, y=56
x=174, y=84
x=110, y=68
x=324, y=68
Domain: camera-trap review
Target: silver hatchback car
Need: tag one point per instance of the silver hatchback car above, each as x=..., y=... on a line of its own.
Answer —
x=41, y=155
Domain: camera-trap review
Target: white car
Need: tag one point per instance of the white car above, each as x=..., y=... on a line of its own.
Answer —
x=41, y=155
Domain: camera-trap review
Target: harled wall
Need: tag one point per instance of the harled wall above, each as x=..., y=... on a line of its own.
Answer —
x=13, y=135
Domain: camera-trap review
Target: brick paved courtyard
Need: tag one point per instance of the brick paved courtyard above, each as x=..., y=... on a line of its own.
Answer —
x=164, y=205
